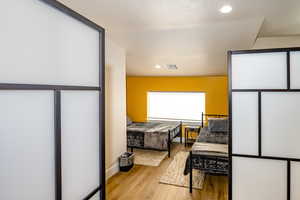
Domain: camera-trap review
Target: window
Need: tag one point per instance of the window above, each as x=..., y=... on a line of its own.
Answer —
x=185, y=106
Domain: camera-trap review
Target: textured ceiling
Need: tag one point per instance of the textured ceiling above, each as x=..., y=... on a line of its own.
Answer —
x=189, y=33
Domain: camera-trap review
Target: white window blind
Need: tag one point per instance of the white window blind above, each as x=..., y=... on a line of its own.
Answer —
x=185, y=106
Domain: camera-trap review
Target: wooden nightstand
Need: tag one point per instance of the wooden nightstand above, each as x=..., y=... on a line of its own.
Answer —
x=188, y=139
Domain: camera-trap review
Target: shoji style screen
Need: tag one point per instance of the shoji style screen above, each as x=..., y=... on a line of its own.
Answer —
x=51, y=103
x=265, y=124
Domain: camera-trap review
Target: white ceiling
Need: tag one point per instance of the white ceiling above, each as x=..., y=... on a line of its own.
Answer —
x=192, y=34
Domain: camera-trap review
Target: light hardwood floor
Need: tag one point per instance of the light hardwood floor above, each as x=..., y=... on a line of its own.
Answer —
x=142, y=183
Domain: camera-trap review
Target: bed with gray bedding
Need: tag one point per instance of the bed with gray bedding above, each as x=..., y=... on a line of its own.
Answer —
x=210, y=151
x=153, y=135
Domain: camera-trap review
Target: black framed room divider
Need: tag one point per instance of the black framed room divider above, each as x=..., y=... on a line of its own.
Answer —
x=264, y=100
x=52, y=103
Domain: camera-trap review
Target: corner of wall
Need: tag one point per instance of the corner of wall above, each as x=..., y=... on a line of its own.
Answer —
x=115, y=108
x=110, y=172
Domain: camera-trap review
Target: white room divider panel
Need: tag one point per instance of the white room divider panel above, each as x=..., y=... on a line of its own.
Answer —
x=264, y=96
x=245, y=126
x=61, y=49
x=295, y=69
x=252, y=177
x=96, y=196
x=252, y=71
x=80, y=143
x=281, y=124
x=295, y=180
x=52, y=142
x=27, y=145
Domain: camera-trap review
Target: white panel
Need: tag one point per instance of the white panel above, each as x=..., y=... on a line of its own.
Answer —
x=80, y=143
x=295, y=69
x=281, y=124
x=245, y=123
x=258, y=179
x=96, y=196
x=295, y=180
x=41, y=45
x=26, y=145
x=259, y=71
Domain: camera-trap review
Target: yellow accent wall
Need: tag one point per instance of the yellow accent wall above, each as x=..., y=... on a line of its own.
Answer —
x=215, y=88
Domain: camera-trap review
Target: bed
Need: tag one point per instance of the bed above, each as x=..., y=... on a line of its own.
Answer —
x=153, y=135
x=210, y=151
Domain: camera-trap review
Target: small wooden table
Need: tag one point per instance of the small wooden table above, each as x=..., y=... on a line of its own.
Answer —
x=190, y=129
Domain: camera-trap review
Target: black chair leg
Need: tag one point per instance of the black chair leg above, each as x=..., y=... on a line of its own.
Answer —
x=180, y=137
x=169, y=144
x=185, y=137
x=191, y=173
x=180, y=132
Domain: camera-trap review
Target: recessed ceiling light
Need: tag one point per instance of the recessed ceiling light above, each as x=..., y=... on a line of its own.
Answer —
x=226, y=9
x=157, y=66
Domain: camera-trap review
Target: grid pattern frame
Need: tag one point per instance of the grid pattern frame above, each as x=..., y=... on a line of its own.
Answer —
x=99, y=192
x=260, y=91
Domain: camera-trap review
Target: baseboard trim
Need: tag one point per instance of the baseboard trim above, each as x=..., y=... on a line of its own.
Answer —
x=112, y=170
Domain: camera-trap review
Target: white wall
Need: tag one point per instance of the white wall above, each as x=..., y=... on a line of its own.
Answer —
x=277, y=42
x=115, y=106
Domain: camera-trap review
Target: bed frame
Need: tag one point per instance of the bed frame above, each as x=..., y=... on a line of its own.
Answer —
x=179, y=134
x=214, y=166
x=214, y=161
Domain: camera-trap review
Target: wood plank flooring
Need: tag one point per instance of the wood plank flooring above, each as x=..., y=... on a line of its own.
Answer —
x=142, y=183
